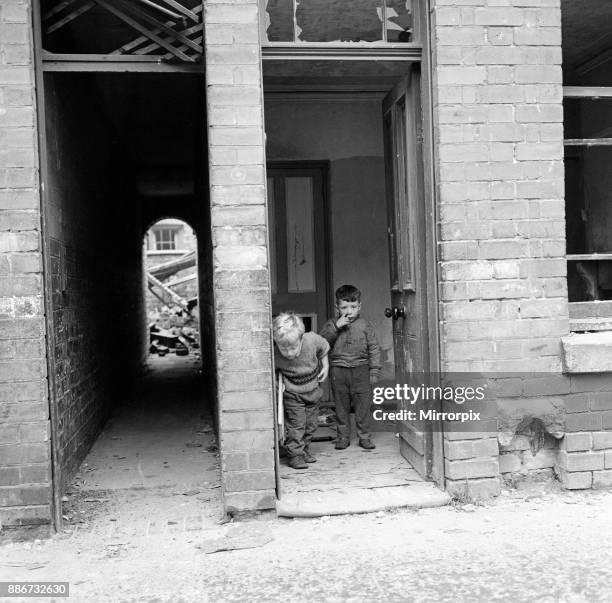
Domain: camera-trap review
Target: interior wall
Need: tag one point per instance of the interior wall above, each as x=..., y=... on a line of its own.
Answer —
x=95, y=247
x=348, y=134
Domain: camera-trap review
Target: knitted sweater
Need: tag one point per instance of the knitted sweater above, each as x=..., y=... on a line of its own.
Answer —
x=300, y=374
x=354, y=345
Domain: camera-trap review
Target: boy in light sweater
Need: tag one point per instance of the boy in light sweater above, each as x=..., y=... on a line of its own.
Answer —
x=301, y=358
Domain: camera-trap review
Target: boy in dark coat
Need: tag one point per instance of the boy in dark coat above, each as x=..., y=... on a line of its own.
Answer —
x=354, y=364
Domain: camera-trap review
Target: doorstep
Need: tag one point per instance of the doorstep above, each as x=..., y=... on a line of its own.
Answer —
x=345, y=501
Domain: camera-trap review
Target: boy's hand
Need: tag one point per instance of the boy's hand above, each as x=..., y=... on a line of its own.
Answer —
x=323, y=374
x=373, y=379
x=342, y=322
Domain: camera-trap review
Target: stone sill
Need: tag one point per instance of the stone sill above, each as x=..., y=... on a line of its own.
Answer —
x=587, y=352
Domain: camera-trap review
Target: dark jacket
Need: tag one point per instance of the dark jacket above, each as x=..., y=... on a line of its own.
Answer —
x=353, y=345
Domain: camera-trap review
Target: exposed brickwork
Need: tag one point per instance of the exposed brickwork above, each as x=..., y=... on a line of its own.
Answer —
x=25, y=480
x=92, y=226
x=240, y=265
x=499, y=163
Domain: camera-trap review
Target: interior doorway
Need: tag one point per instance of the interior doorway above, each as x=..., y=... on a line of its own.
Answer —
x=364, y=120
x=299, y=239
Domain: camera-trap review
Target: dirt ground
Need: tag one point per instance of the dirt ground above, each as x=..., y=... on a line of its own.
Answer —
x=537, y=544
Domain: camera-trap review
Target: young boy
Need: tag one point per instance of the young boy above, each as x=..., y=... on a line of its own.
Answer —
x=355, y=366
x=302, y=361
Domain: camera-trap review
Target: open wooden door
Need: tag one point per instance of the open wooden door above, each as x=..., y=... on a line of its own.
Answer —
x=409, y=259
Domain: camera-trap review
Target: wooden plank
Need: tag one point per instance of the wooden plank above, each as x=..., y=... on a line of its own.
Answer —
x=587, y=92
x=183, y=9
x=70, y=17
x=122, y=67
x=47, y=219
x=183, y=280
x=162, y=9
x=143, y=30
x=339, y=52
x=142, y=39
x=169, y=268
x=161, y=26
x=111, y=58
x=177, y=299
x=58, y=8
x=153, y=46
x=593, y=257
x=587, y=142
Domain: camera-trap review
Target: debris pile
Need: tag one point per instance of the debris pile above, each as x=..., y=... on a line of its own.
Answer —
x=173, y=327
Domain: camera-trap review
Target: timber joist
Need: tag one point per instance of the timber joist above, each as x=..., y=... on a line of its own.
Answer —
x=145, y=30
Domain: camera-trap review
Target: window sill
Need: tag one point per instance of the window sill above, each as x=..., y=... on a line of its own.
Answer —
x=587, y=352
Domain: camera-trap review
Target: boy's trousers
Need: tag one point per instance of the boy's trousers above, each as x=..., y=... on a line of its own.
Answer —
x=351, y=387
x=301, y=419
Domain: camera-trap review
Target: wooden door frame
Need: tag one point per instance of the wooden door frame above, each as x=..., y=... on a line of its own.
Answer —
x=432, y=221
x=324, y=167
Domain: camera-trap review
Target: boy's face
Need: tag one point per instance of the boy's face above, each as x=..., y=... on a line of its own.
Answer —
x=290, y=349
x=350, y=309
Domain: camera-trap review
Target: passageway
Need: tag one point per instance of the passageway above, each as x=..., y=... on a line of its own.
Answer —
x=124, y=151
x=161, y=436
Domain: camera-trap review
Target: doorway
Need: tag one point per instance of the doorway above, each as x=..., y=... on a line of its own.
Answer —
x=299, y=240
x=121, y=151
x=381, y=224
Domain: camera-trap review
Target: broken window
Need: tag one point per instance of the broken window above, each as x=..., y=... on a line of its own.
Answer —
x=335, y=21
x=587, y=76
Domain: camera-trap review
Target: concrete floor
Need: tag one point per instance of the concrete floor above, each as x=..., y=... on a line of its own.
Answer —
x=155, y=467
x=352, y=467
x=162, y=437
x=354, y=480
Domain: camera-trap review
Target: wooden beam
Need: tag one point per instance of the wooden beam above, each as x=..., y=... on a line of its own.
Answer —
x=193, y=15
x=70, y=17
x=151, y=47
x=588, y=142
x=589, y=257
x=142, y=39
x=143, y=30
x=89, y=66
x=341, y=52
x=177, y=299
x=181, y=281
x=111, y=58
x=587, y=92
x=58, y=8
x=173, y=266
x=173, y=33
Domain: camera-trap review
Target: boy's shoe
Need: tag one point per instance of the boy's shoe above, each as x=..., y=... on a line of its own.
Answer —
x=308, y=457
x=342, y=444
x=297, y=462
x=367, y=444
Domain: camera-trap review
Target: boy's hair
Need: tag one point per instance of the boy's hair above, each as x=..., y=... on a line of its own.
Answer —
x=348, y=293
x=288, y=326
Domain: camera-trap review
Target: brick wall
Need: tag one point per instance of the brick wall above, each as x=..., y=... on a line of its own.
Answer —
x=25, y=479
x=240, y=263
x=94, y=249
x=499, y=146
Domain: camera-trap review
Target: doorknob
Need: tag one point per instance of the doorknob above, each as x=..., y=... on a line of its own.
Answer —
x=395, y=313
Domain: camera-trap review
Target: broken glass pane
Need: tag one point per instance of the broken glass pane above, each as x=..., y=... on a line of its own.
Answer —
x=339, y=21
x=399, y=21
x=279, y=20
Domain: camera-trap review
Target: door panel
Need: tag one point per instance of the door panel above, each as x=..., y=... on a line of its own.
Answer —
x=298, y=241
x=406, y=229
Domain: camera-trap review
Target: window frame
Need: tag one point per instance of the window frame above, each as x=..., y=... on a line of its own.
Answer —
x=587, y=315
